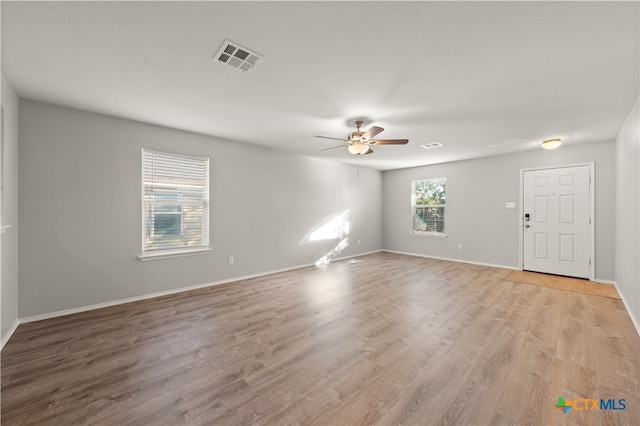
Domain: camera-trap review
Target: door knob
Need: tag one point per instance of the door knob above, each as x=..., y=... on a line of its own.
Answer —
x=527, y=226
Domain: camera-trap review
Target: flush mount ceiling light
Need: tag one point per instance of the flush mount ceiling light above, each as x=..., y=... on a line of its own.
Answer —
x=551, y=143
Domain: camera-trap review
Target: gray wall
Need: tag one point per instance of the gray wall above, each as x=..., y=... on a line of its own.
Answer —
x=9, y=215
x=476, y=216
x=628, y=212
x=80, y=209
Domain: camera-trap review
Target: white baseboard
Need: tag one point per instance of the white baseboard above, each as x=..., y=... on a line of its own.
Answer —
x=169, y=292
x=634, y=320
x=151, y=295
x=12, y=330
x=514, y=268
x=358, y=255
x=56, y=314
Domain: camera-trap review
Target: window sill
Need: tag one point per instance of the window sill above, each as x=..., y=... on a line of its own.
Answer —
x=168, y=254
x=428, y=234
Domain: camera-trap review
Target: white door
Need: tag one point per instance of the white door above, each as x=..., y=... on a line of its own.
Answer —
x=557, y=223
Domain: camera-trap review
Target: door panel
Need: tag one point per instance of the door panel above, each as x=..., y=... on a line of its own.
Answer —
x=557, y=234
x=566, y=180
x=567, y=248
x=542, y=246
x=567, y=212
x=541, y=209
x=542, y=181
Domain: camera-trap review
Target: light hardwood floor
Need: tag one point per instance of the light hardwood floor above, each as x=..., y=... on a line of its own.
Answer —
x=564, y=283
x=385, y=339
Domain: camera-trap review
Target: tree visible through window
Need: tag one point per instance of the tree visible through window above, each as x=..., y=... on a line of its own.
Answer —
x=176, y=202
x=429, y=199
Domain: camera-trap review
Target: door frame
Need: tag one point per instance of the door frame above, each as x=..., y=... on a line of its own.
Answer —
x=592, y=212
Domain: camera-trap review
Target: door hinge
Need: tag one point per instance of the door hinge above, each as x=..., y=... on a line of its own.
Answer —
x=589, y=262
x=589, y=221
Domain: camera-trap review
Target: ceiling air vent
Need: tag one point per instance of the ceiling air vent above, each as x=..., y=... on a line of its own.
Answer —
x=237, y=56
x=431, y=145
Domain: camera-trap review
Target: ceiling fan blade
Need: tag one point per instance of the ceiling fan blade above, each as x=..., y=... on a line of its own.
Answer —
x=371, y=132
x=337, y=139
x=369, y=152
x=333, y=147
x=390, y=142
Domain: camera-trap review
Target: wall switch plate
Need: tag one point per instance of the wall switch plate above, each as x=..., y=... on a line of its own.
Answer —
x=231, y=260
x=509, y=205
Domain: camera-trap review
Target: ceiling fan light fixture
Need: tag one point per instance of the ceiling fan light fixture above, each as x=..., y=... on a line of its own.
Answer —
x=551, y=143
x=358, y=148
x=359, y=143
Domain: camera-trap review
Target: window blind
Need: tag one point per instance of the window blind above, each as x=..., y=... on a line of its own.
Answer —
x=175, y=199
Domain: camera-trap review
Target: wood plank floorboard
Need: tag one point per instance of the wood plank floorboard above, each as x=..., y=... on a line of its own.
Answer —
x=388, y=339
x=564, y=283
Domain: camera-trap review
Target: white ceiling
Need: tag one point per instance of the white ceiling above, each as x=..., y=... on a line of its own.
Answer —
x=482, y=78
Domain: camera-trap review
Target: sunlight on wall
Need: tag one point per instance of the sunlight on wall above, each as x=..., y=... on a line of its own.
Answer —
x=336, y=227
x=333, y=227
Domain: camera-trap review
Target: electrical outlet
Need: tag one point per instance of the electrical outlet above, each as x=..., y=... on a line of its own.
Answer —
x=231, y=260
x=459, y=246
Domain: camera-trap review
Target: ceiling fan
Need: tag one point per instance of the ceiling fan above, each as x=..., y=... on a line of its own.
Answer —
x=359, y=143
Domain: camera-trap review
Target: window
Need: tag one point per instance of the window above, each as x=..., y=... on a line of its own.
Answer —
x=167, y=217
x=175, y=199
x=429, y=198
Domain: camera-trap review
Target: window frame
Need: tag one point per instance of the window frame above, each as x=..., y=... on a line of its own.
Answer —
x=175, y=251
x=414, y=207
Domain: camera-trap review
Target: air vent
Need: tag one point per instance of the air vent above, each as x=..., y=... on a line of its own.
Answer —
x=237, y=56
x=431, y=145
